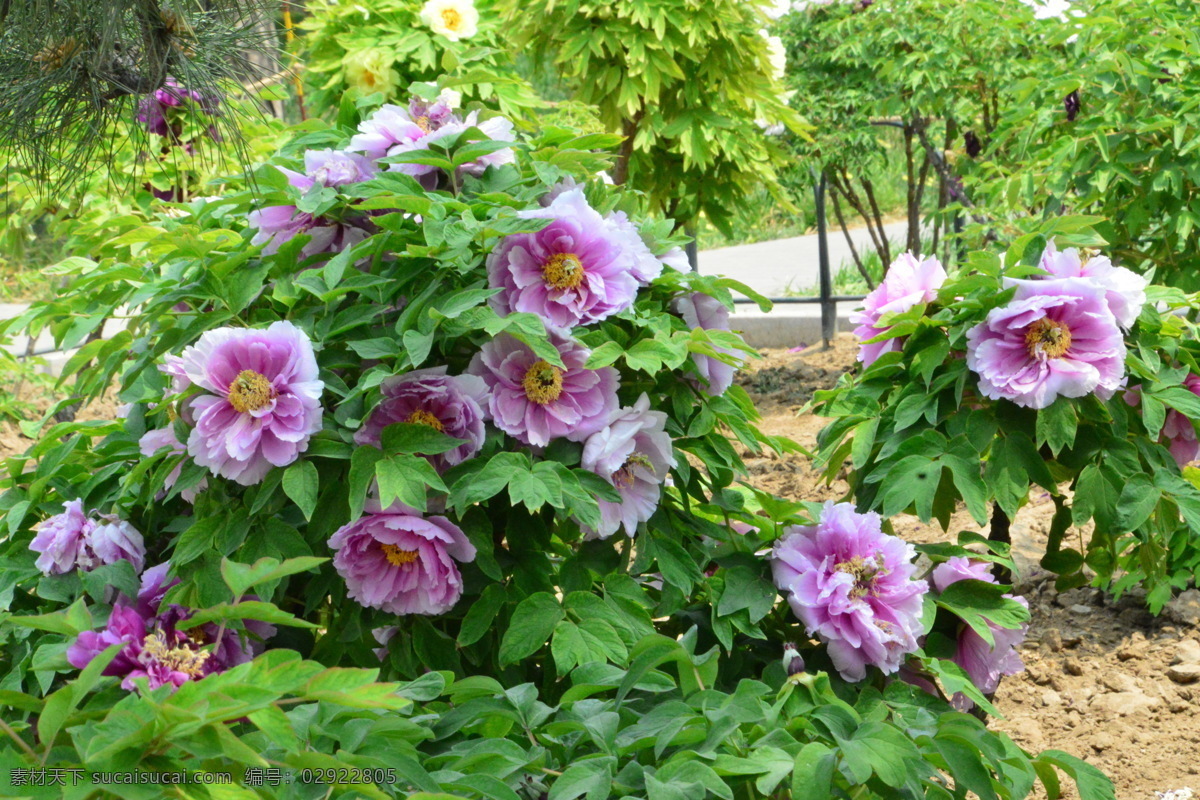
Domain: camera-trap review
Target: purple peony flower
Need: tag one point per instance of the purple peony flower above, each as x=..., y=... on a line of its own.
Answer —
x=909, y=281
x=402, y=562
x=633, y=452
x=383, y=636
x=1056, y=337
x=1124, y=290
x=451, y=404
x=575, y=271
x=125, y=625
x=851, y=585
x=984, y=663
x=114, y=539
x=172, y=367
x=153, y=589
x=330, y=168
x=1178, y=430
x=154, y=441
x=708, y=313
x=62, y=540
x=156, y=108
x=264, y=401
x=535, y=401
x=392, y=131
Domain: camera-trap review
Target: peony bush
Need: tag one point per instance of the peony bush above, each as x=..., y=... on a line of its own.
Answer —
x=433, y=452
x=1047, y=370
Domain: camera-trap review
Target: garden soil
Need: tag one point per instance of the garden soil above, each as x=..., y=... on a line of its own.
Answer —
x=1104, y=680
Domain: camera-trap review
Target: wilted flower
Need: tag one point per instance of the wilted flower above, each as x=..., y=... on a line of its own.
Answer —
x=851, y=585
x=154, y=441
x=454, y=19
x=1071, y=105
x=62, y=540
x=401, y=562
x=1124, y=289
x=536, y=401
x=703, y=311
x=114, y=539
x=450, y=404
x=633, y=452
x=909, y=281
x=1055, y=337
x=372, y=69
x=264, y=401
x=575, y=271
x=984, y=663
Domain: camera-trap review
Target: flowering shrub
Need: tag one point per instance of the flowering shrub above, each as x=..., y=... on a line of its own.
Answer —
x=1049, y=368
x=483, y=450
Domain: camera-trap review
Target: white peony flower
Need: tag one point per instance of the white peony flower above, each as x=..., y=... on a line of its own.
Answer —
x=778, y=8
x=450, y=98
x=454, y=19
x=777, y=54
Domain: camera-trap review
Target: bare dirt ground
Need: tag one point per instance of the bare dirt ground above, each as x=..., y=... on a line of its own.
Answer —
x=1104, y=680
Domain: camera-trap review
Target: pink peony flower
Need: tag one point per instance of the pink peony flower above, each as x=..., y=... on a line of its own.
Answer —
x=330, y=168
x=392, y=131
x=535, y=401
x=708, y=313
x=1178, y=431
x=402, y=562
x=577, y=270
x=1056, y=337
x=909, y=281
x=451, y=404
x=154, y=108
x=851, y=585
x=633, y=452
x=1124, y=289
x=985, y=664
x=115, y=539
x=62, y=540
x=264, y=399
x=154, y=441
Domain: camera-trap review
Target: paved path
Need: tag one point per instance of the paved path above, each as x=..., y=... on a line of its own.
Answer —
x=784, y=266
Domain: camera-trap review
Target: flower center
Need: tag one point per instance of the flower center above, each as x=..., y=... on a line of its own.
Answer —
x=177, y=659
x=250, y=391
x=422, y=417
x=451, y=18
x=543, y=383
x=865, y=571
x=624, y=477
x=1048, y=338
x=398, y=557
x=422, y=123
x=563, y=271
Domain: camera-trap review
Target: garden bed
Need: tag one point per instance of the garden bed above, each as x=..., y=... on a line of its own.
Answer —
x=1098, y=680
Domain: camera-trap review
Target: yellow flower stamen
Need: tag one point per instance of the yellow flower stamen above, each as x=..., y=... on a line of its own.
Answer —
x=398, y=557
x=422, y=123
x=250, y=391
x=178, y=659
x=543, y=382
x=1048, y=338
x=452, y=19
x=865, y=571
x=563, y=271
x=422, y=417
x=624, y=477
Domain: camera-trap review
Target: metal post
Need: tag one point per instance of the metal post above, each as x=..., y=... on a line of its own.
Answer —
x=693, y=255
x=828, y=305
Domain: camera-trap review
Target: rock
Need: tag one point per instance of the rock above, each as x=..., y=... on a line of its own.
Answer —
x=1123, y=703
x=1134, y=649
x=1187, y=652
x=1073, y=666
x=1052, y=640
x=1118, y=682
x=1184, y=673
x=1102, y=741
x=1079, y=608
x=1184, y=609
x=1071, y=642
x=1051, y=698
x=1178, y=707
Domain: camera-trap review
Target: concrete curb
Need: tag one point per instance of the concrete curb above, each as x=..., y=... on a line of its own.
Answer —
x=786, y=325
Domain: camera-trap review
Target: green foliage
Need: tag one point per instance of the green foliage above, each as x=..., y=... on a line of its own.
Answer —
x=684, y=81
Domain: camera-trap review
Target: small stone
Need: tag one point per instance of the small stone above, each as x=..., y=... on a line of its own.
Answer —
x=1187, y=652
x=1071, y=642
x=1184, y=673
x=1052, y=640
x=1123, y=703
x=1073, y=666
x=1118, y=682
x=1051, y=698
x=1184, y=609
x=1102, y=741
x=1079, y=608
x=1178, y=707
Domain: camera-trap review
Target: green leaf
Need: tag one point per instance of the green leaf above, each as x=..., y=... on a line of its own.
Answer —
x=480, y=616
x=407, y=437
x=241, y=577
x=300, y=483
x=591, y=779
x=1056, y=425
x=979, y=602
x=247, y=609
x=812, y=774
x=533, y=621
